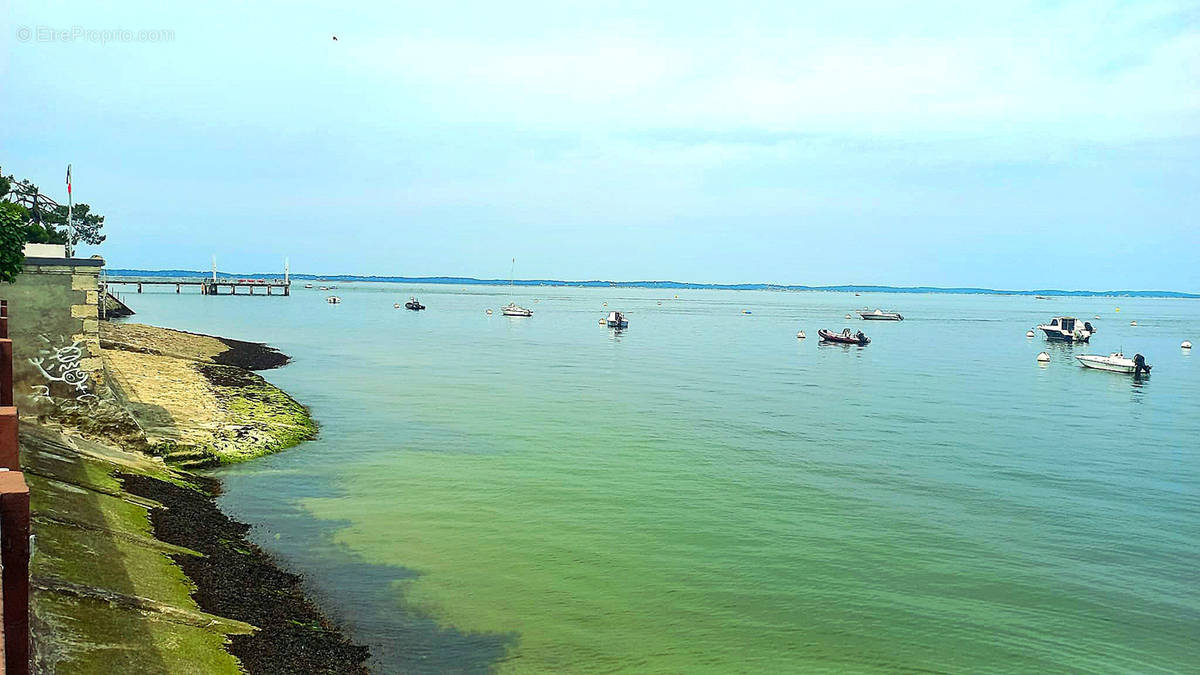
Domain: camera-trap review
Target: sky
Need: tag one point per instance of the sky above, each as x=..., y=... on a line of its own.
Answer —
x=1010, y=145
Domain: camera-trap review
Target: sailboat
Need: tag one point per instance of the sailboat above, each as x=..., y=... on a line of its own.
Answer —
x=513, y=309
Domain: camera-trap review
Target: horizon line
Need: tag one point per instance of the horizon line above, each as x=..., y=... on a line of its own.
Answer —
x=592, y=283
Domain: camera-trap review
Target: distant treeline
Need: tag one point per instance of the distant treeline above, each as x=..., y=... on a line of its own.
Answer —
x=469, y=281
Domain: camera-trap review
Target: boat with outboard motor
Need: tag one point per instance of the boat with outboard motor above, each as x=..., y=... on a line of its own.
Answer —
x=414, y=305
x=616, y=320
x=880, y=315
x=513, y=309
x=845, y=337
x=1115, y=363
x=1068, y=329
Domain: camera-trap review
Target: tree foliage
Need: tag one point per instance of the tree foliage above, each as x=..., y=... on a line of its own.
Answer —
x=87, y=224
x=12, y=240
x=41, y=220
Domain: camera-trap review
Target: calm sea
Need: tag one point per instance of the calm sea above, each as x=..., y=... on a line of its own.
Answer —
x=704, y=492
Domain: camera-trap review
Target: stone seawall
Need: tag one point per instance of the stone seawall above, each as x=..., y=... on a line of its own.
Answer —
x=57, y=363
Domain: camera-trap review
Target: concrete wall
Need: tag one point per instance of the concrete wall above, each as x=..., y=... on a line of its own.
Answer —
x=45, y=250
x=53, y=322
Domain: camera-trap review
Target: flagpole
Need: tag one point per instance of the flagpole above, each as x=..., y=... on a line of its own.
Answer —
x=70, y=222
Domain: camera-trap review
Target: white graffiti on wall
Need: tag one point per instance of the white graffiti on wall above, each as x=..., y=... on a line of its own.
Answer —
x=60, y=364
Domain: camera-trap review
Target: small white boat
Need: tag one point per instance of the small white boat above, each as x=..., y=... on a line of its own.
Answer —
x=333, y=299
x=1116, y=363
x=513, y=309
x=616, y=320
x=308, y=285
x=800, y=335
x=880, y=315
x=1068, y=329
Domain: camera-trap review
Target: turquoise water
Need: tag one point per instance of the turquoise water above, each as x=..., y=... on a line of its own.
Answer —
x=703, y=492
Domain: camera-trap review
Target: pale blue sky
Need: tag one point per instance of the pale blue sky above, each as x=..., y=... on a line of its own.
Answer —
x=1010, y=145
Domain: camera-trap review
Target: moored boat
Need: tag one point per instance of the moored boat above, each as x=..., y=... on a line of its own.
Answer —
x=880, y=315
x=333, y=299
x=1068, y=329
x=845, y=337
x=513, y=309
x=1115, y=363
x=616, y=320
x=413, y=305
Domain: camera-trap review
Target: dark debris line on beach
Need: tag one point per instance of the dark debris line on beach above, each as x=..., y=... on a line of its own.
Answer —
x=237, y=579
x=250, y=355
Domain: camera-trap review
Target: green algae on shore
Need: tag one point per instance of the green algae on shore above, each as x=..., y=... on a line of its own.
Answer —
x=135, y=569
x=195, y=398
x=106, y=596
x=268, y=420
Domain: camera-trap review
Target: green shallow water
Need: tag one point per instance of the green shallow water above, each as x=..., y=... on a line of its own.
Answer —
x=705, y=492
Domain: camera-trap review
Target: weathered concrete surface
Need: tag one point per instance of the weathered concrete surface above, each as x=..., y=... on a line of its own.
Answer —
x=193, y=409
x=53, y=322
x=106, y=596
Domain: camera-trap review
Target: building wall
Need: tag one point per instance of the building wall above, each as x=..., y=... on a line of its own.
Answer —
x=53, y=310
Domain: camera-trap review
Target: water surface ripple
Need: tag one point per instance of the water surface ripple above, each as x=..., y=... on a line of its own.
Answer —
x=703, y=492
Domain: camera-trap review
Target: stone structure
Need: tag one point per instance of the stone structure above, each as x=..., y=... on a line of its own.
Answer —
x=55, y=326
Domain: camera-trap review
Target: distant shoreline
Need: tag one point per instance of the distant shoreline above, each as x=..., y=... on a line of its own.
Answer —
x=471, y=281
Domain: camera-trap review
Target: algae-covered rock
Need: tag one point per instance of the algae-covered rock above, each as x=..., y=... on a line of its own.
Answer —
x=107, y=596
x=194, y=408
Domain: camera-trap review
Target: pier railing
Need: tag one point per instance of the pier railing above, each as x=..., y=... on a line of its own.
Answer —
x=209, y=286
x=14, y=523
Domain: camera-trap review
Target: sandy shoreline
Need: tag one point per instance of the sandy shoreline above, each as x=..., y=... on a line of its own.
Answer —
x=191, y=400
x=195, y=399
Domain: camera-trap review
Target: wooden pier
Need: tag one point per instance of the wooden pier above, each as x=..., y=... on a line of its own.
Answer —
x=221, y=286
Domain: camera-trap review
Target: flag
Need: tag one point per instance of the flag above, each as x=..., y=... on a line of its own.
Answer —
x=68, y=179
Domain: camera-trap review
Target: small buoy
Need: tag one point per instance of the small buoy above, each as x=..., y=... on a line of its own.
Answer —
x=1186, y=344
x=489, y=312
x=606, y=304
x=800, y=335
x=1132, y=323
x=1043, y=358
x=848, y=316
x=677, y=297
x=1029, y=333
x=602, y=322
x=1117, y=309
x=397, y=305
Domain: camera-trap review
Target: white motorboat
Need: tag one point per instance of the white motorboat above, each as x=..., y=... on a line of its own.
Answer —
x=1116, y=363
x=616, y=320
x=1067, y=329
x=513, y=309
x=880, y=315
x=333, y=299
